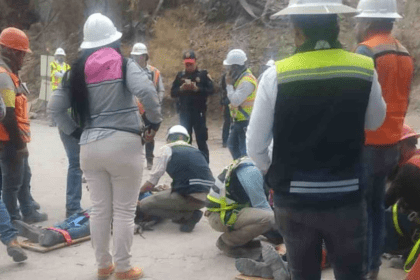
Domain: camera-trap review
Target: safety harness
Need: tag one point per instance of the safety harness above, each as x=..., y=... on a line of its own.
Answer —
x=415, y=251
x=218, y=195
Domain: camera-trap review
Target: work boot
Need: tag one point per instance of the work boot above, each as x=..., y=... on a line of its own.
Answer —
x=249, y=250
x=28, y=231
x=190, y=224
x=35, y=217
x=50, y=238
x=149, y=163
x=276, y=263
x=36, y=205
x=15, y=251
x=253, y=268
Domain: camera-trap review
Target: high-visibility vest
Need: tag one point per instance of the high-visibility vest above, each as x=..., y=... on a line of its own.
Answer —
x=56, y=67
x=155, y=76
x=21, y=111
x=395, y=68
x=237, y=113
x=219, y=194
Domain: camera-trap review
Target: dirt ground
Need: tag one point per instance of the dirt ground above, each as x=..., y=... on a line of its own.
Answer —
x=165, y=253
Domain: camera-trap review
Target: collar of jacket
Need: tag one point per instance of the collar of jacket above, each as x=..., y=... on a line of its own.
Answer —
x=311, y=45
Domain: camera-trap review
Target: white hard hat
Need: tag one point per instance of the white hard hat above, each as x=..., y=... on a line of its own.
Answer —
x=270, y=62
x=315, y=7
x=235, y=56
x=178, y=129
x=60, y=51
x=378, y=9
x=139, y=49
x=99, y=31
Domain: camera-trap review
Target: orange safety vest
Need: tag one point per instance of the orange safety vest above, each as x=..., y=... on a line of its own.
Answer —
x=21, y=111
x=156, y=75
x=395, y=68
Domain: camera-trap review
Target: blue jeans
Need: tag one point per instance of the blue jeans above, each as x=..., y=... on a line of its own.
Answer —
x=7, y=231
x=343, y=230
x=226, y=124
x=16, y=178
x=378, y=163
x=191, y=119
x=77, y=225
x=237, y=139
x=74, y=173
x=149, y=148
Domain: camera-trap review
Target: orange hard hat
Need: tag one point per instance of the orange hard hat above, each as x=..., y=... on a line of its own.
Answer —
x=16, y=39
x=408, y=132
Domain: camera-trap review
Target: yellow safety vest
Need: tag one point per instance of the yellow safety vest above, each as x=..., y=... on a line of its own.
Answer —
x=415, y=251
x=56, y=67
x=237, y=113
x=227, y=207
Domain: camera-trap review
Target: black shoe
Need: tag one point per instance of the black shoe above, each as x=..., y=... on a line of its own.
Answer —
x=36, y=205
x=35, y=217
x=190, y=224
x=28, y=231
x=50, y=238
x=249, y=251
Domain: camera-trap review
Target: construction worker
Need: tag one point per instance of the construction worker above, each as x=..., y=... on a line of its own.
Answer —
x=192, y=180
x=237, y=205
x=110, y=130
x=192, y=87
x=8, y=234
x=58, y=68
x=402, y=201
x=395, y=71
x=15, y=129
x=241, y=90
x=140, y=54
x=314, y=106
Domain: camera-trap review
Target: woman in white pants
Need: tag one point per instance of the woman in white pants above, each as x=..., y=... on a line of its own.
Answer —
x=101, y=90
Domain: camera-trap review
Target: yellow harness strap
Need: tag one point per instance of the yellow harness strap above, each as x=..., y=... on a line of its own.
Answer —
x=395, y=219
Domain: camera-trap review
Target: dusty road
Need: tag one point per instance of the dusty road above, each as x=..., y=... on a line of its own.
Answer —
x=165, y=253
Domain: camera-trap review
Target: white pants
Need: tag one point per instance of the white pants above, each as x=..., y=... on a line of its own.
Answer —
x=113, y=169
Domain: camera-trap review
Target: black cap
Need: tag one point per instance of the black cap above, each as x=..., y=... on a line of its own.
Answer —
x=189, y=55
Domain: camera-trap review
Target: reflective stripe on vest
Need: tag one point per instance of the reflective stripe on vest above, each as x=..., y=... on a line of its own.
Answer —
x=228, y=208
x=395, y=67
x=246, y=106
x=415, y=251
x=21, y=111
x=55, y=67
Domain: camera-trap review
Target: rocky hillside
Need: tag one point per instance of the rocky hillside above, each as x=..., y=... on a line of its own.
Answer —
x=168, y=27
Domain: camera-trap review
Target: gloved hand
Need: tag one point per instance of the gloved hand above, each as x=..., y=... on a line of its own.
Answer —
x=194, y=87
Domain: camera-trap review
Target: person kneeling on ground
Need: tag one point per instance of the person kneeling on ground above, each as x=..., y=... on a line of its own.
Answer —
x=191, y=183
x=238, y=207
x=403, y=202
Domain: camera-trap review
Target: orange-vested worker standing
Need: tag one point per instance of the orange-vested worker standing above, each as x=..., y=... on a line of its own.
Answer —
x=395, y=71
x=15, y=129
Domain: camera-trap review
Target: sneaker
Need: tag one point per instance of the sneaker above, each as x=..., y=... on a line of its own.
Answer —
x=190, y=224
x=29, y=231
x=15, y=251
x=35, y=217
x=106, y=272
x=132, y=274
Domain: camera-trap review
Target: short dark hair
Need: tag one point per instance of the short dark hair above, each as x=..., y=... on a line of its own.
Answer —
x=176, y=137
x=381, y=25
x=318, y=27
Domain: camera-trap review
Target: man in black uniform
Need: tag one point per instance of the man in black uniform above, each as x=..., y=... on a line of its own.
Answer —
x=191, y=87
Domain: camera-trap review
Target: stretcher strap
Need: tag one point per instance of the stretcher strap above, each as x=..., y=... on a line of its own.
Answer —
x=65, y=233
